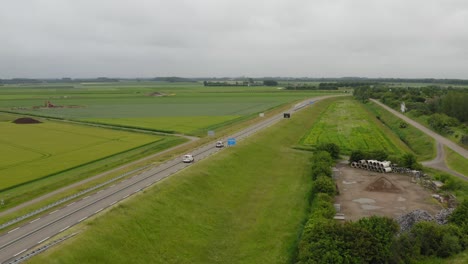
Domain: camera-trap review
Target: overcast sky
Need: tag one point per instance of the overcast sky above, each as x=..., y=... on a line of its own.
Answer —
x=216, y=38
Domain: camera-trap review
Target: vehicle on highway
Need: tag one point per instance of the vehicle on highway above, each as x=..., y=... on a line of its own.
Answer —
x=188, y=158
x=219, y=144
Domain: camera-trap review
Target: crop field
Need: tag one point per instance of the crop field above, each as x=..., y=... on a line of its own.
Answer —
x=347, y=124
x=32, y=151
x=155, y=106
x=246, y=204
x=181, y=124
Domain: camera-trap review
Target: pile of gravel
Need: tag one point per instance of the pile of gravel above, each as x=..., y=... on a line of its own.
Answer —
x=407, y=221
x=442, y=216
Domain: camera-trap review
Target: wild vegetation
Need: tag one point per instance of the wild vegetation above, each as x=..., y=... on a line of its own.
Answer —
x=347, y=124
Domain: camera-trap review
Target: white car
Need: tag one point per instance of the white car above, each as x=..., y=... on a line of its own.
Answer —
x=188, y=158
x=219, y=144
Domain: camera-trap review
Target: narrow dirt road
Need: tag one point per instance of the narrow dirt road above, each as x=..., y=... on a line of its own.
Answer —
x=439, y=161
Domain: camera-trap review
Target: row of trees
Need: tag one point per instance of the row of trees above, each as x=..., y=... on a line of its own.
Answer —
x=240, y=83
x=444, y=108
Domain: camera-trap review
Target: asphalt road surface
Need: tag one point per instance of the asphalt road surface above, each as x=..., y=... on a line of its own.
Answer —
x=19, y=241
x=439, y=161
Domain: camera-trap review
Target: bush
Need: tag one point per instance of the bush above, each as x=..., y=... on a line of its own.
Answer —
x=321, y=169
x=324, y=184
x=332, y=148
x=383, y=229
x=323, y=157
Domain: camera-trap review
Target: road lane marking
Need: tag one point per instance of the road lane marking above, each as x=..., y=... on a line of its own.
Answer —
x=19, y=252
x=126, y=196
x=53, y=212
x=112, y=185
x=113, y=203
x=98, y=211
x=86, y=197
x=63, y=229
x=11, y=231
x=82, y=219
x=70, y=204
x=34, y=220
x=43, y=240
x=137, y=190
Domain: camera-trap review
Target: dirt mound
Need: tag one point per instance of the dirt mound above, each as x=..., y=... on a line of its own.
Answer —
x=156, y=94
x=26, y=120
x=382, y=184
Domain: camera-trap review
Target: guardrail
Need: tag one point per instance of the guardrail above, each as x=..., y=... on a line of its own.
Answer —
x=68, y=198
x=40, y=250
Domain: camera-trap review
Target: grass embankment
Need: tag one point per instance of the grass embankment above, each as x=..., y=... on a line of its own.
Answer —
x=246, y=204
x=420, y=143
x=456, y=162
x=347, y=124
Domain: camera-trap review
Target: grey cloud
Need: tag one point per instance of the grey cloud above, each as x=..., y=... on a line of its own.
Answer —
x=316, y=38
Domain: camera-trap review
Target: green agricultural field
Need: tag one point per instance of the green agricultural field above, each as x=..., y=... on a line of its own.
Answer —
x=181, y=124
x=30, y=152
x=150, y=105
x=420, y=143
x=347, y=124
x=245, y=204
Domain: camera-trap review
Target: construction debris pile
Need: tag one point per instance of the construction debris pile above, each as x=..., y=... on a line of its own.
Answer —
x=407, y=221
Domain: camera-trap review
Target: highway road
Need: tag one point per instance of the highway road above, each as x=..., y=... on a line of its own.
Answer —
x=19, y=241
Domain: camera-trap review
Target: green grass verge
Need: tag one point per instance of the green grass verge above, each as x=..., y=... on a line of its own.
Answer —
x=347, y=124
x=456, y=162
x=420, y=143
x=246, y=204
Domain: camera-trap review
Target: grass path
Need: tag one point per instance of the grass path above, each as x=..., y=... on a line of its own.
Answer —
x=245, y=204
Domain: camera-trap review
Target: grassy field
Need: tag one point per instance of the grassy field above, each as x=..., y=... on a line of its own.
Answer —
x=182, y=124
x=420, y=143
x=157, y=106
x=52, y=147
x=246, y=204
x=347, y=124
x=456, y=162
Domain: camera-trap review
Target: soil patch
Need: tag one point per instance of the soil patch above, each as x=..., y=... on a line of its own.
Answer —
x=364, y=193
x=382, y=184
x=26, y=120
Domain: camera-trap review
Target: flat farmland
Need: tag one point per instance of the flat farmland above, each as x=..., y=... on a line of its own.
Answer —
x=186, y=108
x=30, y=152
x=347, y=124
